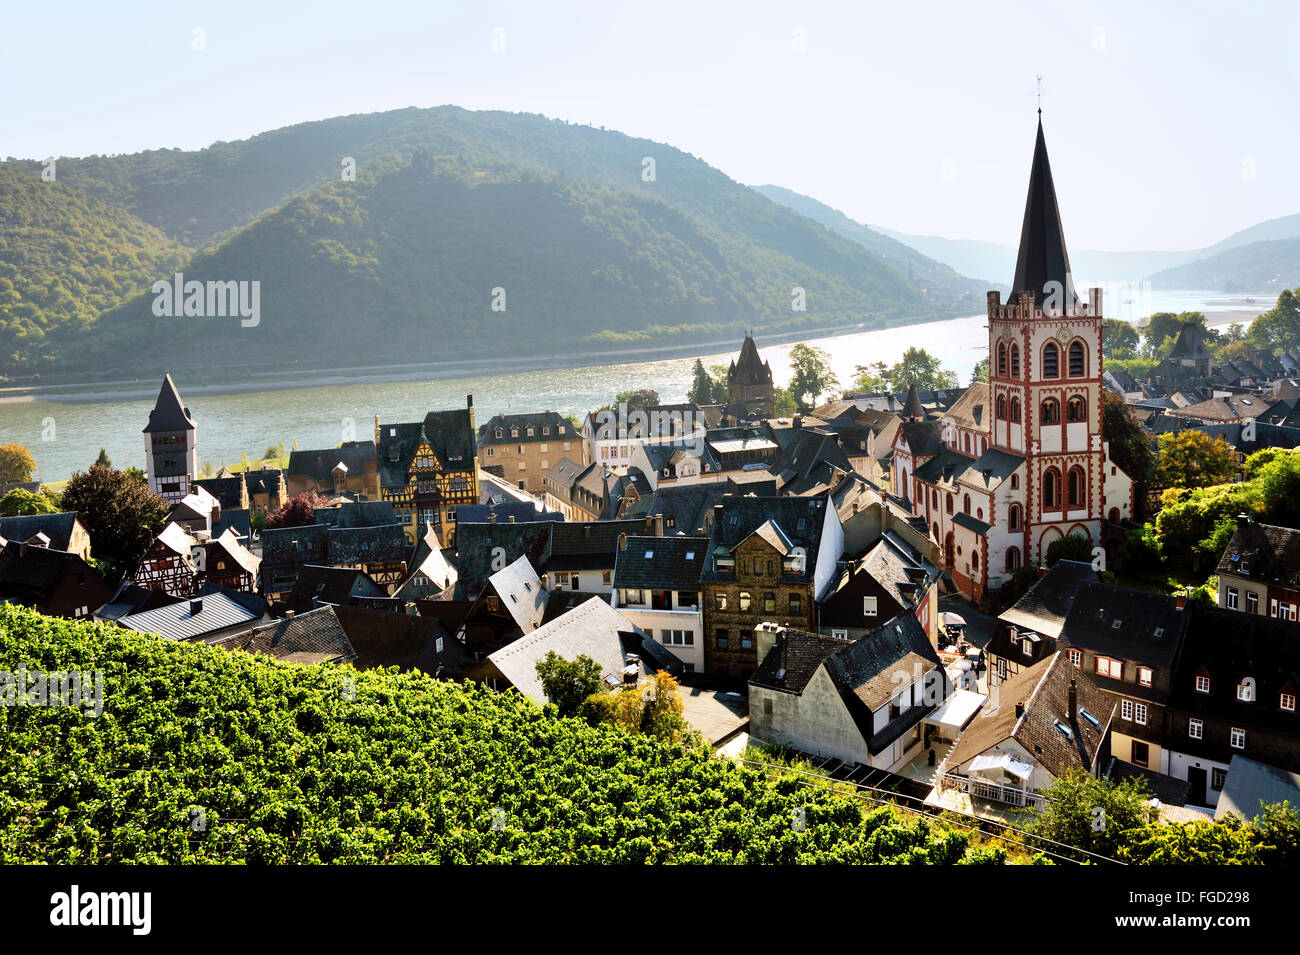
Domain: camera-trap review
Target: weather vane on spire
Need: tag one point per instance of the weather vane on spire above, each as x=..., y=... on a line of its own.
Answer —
x=1039, y=79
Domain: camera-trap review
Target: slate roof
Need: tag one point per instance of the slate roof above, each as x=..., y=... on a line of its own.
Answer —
x=945, y=467
x=263, y=481
x=366, y=545
x=240, y=554
x=587, y=545
x=29, y=575
x=448, y=432
x=179, y=622
x=317, y=584
x=278, y=544
x=972, y=409
x=899, y=568
x=912, y=406
x=306, y=638
x=813, y=461
x=1263, y=552
x=536, y=419
x=660, y=563
x=169, y=412
x=319, y=464
x=1170, y=791
x=592, y=629
x=990, y=469
x=383, y=639
x=1044, y=608
x=749, y=368
x=1251, y=783
x=1043, y=261
x=132, y=598
x=1122, y=623
x=799, y=519
x=521, y=594
x=238, y=520
x=505, y=512
x=57, y=527
x=229, y=491
x=798, y=653
x=690, y=506
x=971, y=523
x=475, y=544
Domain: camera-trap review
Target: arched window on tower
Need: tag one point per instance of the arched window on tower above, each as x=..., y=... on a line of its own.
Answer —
x=1051, y=411
x=1015, y=360
x=1078, y=488
x=1051, y=489
x=1015, y=410
x=1076, y=409
x=1051, y=360
x=1002, y=359
x=1002, y=407
x=1015, y=517
x=1078, y=362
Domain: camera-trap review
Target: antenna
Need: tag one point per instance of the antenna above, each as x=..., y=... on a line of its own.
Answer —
x=1038, y=91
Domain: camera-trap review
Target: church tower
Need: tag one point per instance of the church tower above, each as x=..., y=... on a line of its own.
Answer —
x=170, y=452
x=749, y=381
x=1045, y=376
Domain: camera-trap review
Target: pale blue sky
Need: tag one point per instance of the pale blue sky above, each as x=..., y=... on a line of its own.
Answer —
x=1170, y=125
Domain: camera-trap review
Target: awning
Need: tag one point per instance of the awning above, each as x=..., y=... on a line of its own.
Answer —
x=957, y=711
x=1003, y=761
x=951, y=619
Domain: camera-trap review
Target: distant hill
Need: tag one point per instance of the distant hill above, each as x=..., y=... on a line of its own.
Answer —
x=926, y=271
x=589, y=246
x=65, y=257
x=1256, y=267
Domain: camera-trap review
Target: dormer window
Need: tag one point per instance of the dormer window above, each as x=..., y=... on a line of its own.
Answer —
x=498, y=432
x=1106, y=666
x=1202, y=683
x=1246, y=690
x=1287, y=702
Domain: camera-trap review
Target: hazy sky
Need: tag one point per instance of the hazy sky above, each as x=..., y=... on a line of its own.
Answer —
x=1170, y=125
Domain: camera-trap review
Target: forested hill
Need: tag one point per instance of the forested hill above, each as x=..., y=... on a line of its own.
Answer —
x=448, y=205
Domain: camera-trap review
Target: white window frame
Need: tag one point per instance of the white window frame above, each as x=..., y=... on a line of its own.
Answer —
x=1112, y=668
x=1140, y=714
x=1195, y=729
x=1237, y=738
x=1202, y=684
x=1144, y=676
x=1232, y=598
x=1076, y=658
x=1287, y=702
x=1126, y=710
x=870, y=606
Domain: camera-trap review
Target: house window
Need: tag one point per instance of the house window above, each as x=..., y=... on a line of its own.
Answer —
x=677, y=638
x=1002, y=359
x=1288, y=702
x=1252, y=603
x=1237, y=738
x=546, y=430
x=1140, y=714
x=1141, y=753
x=1232, y=598
x=744, y=600
x=1015, y=410
x=1246, y=690
x=1144, y=676
x=1013, y=558
x=842, y=634
x=720, y=601
x=1217, y=778
x=1195, y=729
x=767, y=707
x=1109, y=667
x=796, y=603
x=1014, y=517
x=1051, y=361
x=869, y=606
x=720, y=639
x=1202, y=684
x=573, y=581
x=1015, y=371
x=1076, y=659
x=1052, y=489
x=606, y=577
x=965, y=504
x=491, y=452
x=493, y=604
x=1126, y=710
x=769, y=603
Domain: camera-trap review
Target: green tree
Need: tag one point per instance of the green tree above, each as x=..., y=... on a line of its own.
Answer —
x=1192, y=459
x=784, y=404
x=812, y=375
x=298, y=511
x=1127, y=444
x=103, y=459
x=1119, y=339
x=1162, y=331
x=981, y=372
x=1278, y=826
x=872, y=378
x=1279, y=327
x=137, y=475
x=20, y=502
x=637, y=399
x=1225, y=841
x=568, y=683
x=121, y=515
x=1093, y=814
x=703, y=387
x=1071, y=547
x=918, y=367
x=16, y=463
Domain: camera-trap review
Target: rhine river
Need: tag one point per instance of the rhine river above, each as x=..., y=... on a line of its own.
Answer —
x=66, y=434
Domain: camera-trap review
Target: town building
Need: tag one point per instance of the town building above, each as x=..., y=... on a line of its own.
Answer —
x=657, y=588
x=62, y=531
x=1027, y=631
x=749, y=381
x=170, y=449
x=525, y=446
x=887, y=579
x=350, y=470
x=1259, y=572
x=55, y=582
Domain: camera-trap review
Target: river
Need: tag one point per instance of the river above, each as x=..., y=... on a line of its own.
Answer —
x=66, y=434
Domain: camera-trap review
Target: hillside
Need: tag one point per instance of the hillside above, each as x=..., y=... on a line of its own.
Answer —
x=206, y=756
x=65, y=257
x=1259, y=266
x=694, y=254
x=925, y=271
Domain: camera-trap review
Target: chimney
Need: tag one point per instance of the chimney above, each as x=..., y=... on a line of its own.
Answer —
x=797, y=422
x=1020, y=709
x=649, y=524
x=659, y=525
x=1243, y=521
x=492, y=517
x=1180, y=601
x=717, y=513
x=196, y=606
x=288, y=615
x=622, y=542
x=1074, y=700
x=765, y=637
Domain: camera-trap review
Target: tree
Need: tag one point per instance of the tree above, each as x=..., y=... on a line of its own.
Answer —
x=784, y=404
x=703, y=391
x=1162, y=330
x=812, y=375
x=872, y=378
x=1279, y=327
x=136, y=475
x=1119, y=339
x=1193, y=459
x=981, y=371
x=103, y=459
x=1127, y=444
x=918, y=367
x=567, y=683
x=636, y=399
x=1224, y=841
x=16, y=463
x=121, y=515
x=20, y=502
x=1092, y=814
x=298, y=511
x=1072, y=547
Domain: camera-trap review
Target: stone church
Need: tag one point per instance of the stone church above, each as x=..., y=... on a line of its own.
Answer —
x=1019, y=461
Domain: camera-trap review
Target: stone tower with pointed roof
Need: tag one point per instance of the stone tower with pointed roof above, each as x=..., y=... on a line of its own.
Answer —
x=170, y=450
x=749, y=381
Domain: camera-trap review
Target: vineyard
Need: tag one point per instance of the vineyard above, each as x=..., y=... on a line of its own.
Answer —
x=205, y=756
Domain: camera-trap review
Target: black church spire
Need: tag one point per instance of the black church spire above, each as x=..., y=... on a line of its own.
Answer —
x=1043, y=265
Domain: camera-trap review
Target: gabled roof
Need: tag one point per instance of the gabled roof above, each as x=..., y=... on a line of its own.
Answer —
x=28, y=575
x=971, y=410
x=793, y=659
x=1131, y=625
x=537, y=420
x=1263, y=552
x=922, y=437
x=1044, y=608
x=1043, y=258
x=176, y=539
x=771, y=532
x=521, y=594
x=58, y=528
x=990, y=469
x=685, y=507
x=230, y=543
x=586, y=545
x=912, y=406
x=366, y=545
x=800, y=521
x=179, y=621
x=317, y=585
x=945, y=467
x=278, y=544
x=476, y=545
x=306, y=638
x=593, y=629
x=1251, y=784
x=263, y=480
x=169, y=412
x=384, y=639
x=229, y=491
x=319, y=464
x=749, y=368
x=660, y=563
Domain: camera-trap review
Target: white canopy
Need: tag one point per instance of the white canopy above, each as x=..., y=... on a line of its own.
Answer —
x=1005, y=761
x=957, y=710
